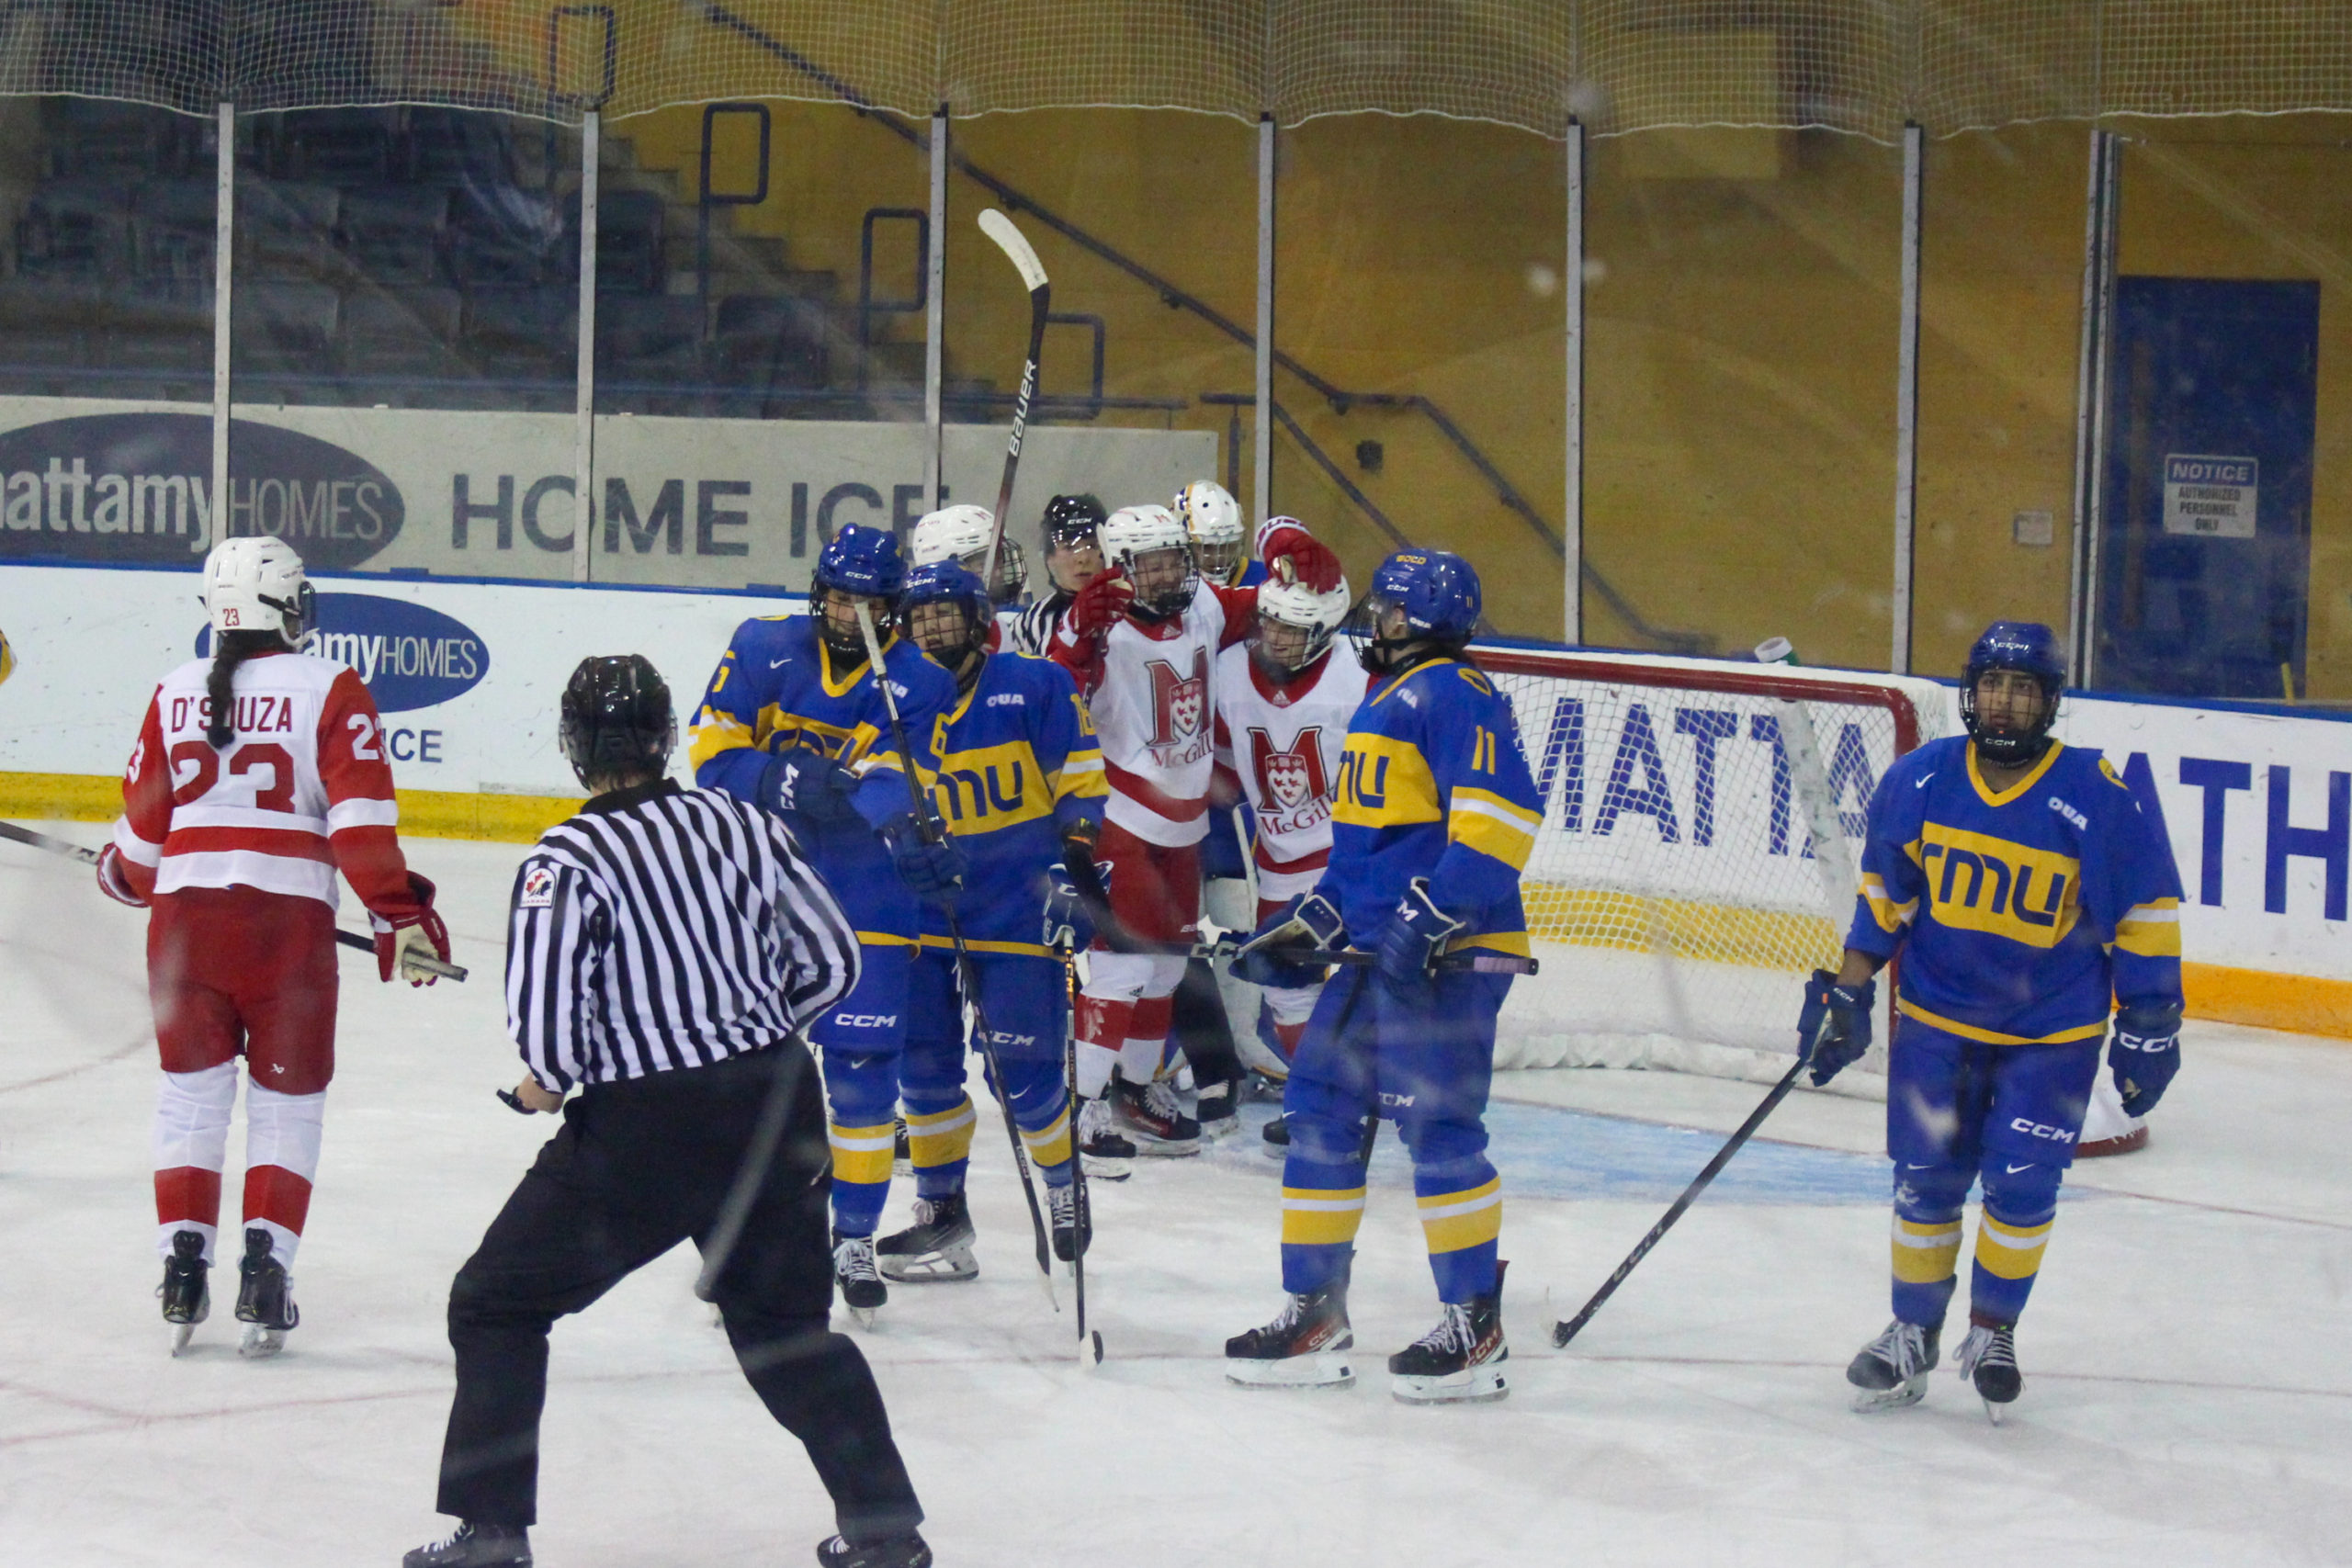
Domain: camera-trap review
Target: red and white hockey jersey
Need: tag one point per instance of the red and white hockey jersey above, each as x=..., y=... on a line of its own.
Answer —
x=1150, y=691
x=303, y=790
x=1283, y=744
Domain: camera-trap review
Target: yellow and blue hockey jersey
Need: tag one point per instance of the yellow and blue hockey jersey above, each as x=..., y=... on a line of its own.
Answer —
x=1433, y=783
x=1018, y=765
x=776, y=688
x=2022, y=915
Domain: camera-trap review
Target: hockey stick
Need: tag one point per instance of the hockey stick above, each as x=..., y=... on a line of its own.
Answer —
x=933, y=830
x=1564, y=1331
x=1086, y=878
x=1024, y=255
x=1082, y=1207
x=440, y=968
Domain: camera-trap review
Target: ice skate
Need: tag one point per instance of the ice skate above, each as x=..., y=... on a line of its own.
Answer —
x=185, y=1290
x=475, y=1546
x=1307, y=1347
x=264, y=1297
x=1276, y=1143
x=1460, y=1361
x=1071, y=1238
x=1150, y=1118
x=937, y=1246
x=1892, y=1370
x=1988, y=1358
x=862, y=1291
x=1108, y=1156
x=907, y=1550
x=1217, y=1109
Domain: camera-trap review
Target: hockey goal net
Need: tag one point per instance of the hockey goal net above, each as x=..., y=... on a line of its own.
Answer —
x=1701, y=821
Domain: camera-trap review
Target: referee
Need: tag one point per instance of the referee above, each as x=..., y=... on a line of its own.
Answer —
x=664, y=948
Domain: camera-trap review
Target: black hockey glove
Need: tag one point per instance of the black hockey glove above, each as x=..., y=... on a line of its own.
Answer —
x=803, y=783
x=1307, y=924
x=1835, y=1026
x=2143, y=1052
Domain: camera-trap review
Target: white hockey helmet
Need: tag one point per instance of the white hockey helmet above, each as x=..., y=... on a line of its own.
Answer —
x=1214, y=521
x=1150, y=544
x=1297, y=607
x=255, y=583
x=961, y=533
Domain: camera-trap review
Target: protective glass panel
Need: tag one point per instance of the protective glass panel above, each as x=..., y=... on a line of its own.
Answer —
x=761, y=296
x=1420, y=318
x=1741, y=304
x=1145, y=222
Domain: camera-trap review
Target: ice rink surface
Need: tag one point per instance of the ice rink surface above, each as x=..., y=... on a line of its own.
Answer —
x=2188, y=1398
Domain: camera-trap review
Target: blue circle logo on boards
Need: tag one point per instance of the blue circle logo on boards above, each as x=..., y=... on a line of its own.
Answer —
x=409, y=656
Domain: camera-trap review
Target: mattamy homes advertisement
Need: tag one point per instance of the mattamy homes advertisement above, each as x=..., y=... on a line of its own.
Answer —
x=703, y=503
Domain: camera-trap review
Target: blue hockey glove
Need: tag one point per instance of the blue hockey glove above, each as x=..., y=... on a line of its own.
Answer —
x=1836, y=1024
x=803, y=783
x=932, y=868
x=1307, y=924
x=2143, y=1052
x=1066, y=925
x=1415, y=936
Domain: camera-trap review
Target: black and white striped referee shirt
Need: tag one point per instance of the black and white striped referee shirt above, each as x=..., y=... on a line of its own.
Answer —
x=1033, y=630
x=666, y=928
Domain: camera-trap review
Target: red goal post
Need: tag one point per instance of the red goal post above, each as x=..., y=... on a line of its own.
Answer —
x=1673, y=893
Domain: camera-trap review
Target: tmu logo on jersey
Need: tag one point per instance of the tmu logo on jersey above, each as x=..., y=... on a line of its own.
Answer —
x=408, y=656
x=1293, y=792
x=1180, y=709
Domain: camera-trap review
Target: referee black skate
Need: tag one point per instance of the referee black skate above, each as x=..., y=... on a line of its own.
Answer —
x=664, y=950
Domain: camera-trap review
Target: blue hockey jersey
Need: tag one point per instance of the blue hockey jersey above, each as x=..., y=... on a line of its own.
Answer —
x=776, y=688
x=1432, y=783
x=2022, y=916
x=1018, y=766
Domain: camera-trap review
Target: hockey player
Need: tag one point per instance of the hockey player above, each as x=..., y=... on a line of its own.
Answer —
x=1073, y=559
x=1435, y=816
x=1220, y=543
x=793, y=722
x=2029, y=892
x=258, y=775
x=1019, y=773
x=1141, y=640
x=1283, y=705
x=961, y=534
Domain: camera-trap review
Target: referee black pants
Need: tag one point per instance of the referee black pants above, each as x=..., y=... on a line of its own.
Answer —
x=638, y=1166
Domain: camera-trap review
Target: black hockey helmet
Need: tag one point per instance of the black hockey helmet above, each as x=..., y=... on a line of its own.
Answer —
x=1071, y=520
x=617, y=719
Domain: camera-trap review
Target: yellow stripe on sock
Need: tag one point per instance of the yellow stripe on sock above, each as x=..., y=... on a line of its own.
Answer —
x=1925, y=1254
x=941, y=1137
x=861, y=1154
x=1453, y=1220
x=1050, y=1145
x=2010, y=1252
x=1316, y=1216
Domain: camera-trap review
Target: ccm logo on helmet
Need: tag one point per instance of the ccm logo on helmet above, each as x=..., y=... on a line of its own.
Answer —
x=865, y=1019
x=2036, y=1130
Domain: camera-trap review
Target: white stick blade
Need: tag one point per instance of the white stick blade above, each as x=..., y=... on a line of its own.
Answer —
x=1016, y=246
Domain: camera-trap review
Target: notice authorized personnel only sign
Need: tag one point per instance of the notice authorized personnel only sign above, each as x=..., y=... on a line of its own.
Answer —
x=2214, y=496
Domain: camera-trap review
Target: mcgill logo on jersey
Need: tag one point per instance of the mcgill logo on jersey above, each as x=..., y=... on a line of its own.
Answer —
x=1293, y=791
x=1180, y=709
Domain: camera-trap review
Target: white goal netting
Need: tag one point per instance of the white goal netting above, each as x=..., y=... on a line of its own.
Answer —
x=1674, y=894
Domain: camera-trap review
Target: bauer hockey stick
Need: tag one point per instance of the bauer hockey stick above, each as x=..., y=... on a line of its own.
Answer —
x=933, y=830
x=439, y=968
x=1024, y=255
x=1081, y=1206
x=1564, y=1331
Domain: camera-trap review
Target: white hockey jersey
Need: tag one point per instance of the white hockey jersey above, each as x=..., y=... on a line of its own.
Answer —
x=1283, y=744
x=1149, y=689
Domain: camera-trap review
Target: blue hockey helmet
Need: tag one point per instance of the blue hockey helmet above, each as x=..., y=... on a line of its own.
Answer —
x=859, y=560
x=946, y=582
x=1437, y=590
x=2030, y=649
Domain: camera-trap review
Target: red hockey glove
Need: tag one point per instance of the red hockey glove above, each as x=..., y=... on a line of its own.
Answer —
x=1311, y=561
x=419, y=932
x=114, y=879
x=1100, y=605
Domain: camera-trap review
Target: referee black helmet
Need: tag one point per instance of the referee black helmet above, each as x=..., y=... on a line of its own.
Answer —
x=617, y=721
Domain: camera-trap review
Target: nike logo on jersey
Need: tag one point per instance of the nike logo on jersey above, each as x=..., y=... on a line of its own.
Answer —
x=1924, y=781
x=779, y=663
x=2015, y=1169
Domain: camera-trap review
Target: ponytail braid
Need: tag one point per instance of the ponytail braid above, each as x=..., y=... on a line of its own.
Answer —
x=229, y=649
